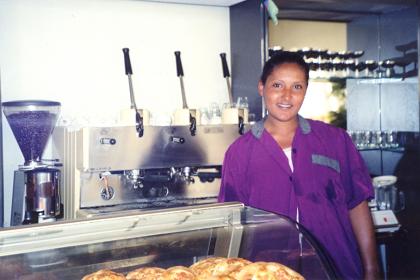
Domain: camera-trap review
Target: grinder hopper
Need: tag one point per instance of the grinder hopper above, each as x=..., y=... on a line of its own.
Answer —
x=32, y=122
x=36, y=185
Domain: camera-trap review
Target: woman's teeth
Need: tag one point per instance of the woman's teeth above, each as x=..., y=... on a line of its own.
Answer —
x=284, y=106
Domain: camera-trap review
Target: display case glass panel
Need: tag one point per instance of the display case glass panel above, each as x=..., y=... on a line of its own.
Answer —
x=126, y=241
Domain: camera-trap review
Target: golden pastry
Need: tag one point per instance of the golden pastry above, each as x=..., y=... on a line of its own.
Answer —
x=224, y=277
x=267, y=271
x=179, y=273
x=219, y=267
x=146, y=273
x=205, y=265
x=104, y=274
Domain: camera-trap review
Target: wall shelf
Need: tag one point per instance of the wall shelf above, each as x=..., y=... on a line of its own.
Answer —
x=394, y=150
x=363, y=80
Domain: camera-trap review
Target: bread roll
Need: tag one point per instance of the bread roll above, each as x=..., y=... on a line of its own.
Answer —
x=104, y=274
x=216, y=267
x=146, y=273
x=267, y=271
x=179, y=273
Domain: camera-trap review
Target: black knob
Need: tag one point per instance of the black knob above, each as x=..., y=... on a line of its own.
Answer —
x=224, y=65
x=127, y=62
x=175, y=139
x=108, y=141
x=179, y=70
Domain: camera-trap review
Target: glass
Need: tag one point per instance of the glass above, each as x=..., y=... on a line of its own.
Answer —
x=251, y=118
x=391, y=139
x=359, y=139
x=215, y=114
x=163, y=238
x=204, y=116
x=242, y=102
x=367, y=138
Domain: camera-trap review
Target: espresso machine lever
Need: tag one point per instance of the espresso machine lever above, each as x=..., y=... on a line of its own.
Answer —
x=129, y=72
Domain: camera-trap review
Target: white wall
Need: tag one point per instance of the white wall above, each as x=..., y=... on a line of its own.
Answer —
x=71, y=51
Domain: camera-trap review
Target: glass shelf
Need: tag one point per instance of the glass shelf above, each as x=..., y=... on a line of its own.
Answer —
x=390, y=149
x=367, y=80
x=411, y=80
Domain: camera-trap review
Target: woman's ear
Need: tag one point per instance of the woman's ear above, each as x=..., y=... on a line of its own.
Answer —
x=260, y=88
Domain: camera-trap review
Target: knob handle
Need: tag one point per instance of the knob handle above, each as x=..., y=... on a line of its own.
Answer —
x=179, y=70
x=127, y=62
x=224, y=65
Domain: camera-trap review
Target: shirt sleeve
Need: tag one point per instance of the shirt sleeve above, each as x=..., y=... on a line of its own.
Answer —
x=357, y=181
x=232, y=185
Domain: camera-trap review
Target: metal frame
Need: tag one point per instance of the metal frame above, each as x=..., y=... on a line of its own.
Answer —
x=1, y=165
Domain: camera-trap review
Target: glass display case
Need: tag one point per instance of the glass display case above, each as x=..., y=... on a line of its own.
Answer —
x=126, y=241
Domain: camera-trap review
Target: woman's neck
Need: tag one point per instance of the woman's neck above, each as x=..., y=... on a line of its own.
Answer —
x=282, y=132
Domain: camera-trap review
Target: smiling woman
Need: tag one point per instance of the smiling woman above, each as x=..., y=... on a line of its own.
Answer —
x=307, y=170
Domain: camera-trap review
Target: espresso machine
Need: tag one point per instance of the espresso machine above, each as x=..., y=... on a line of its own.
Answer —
x=111, y=169
x=138, y=166
x=36, y=185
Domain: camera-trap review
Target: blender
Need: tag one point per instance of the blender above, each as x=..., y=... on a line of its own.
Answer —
x=36, y=184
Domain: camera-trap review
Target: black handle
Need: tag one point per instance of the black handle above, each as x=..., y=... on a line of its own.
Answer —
x=224, y=65
x=193, y=125
x=179, y=70
x=139, y=124
x=128, y=70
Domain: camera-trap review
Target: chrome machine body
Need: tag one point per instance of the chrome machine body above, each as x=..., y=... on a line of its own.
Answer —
x=107, y=169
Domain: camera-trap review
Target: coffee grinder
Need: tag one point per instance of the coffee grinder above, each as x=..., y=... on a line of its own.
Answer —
x=36, y=185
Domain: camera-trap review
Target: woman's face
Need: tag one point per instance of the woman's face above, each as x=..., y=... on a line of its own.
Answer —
x=284, y=91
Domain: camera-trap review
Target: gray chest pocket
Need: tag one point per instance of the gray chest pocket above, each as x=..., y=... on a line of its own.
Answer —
x=331, y=186
x=326, y=161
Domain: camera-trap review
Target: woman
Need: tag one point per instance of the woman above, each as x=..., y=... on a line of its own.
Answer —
x=304, y=169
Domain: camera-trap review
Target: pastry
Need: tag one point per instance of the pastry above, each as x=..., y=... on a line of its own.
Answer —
x=224, y=277
x=104, y=274
x=146, y=273
x=179, y=273
x=218, y=267
x=267, y=271
x=205, y=265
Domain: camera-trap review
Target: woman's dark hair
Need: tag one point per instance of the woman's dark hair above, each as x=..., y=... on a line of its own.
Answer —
x=281, y=58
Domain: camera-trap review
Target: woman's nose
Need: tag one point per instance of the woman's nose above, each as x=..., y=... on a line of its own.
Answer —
x=287, y=93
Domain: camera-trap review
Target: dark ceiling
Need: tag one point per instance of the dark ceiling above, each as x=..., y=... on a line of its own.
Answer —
x=337, y=10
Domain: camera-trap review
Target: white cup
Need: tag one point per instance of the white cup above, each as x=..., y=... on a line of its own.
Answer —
x=231, y=115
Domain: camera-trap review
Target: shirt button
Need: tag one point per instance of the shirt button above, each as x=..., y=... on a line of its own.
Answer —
x=290, y=178
x=294, y=150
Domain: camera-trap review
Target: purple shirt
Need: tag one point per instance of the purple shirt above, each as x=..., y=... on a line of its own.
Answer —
x=329, y=178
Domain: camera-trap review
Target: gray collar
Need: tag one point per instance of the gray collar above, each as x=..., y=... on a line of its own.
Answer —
x=258, y=128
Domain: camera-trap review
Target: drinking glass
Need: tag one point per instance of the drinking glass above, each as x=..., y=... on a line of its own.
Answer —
x=215, y=114
x=242, y=102
x=204, y=116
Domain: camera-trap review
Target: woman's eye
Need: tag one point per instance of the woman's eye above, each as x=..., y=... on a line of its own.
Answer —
x=277, y=85
x=298, y=87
